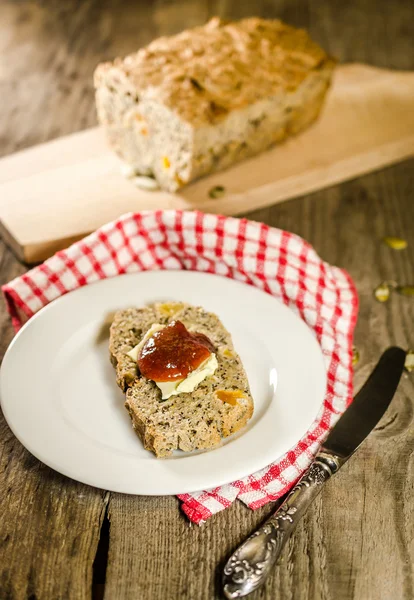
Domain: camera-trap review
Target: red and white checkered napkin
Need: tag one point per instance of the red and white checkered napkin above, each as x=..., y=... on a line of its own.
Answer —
x=276, y=261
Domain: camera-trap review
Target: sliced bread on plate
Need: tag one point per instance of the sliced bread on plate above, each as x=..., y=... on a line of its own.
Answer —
x=218, y=407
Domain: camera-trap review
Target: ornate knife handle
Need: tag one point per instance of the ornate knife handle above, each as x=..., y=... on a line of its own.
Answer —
x=250, y=565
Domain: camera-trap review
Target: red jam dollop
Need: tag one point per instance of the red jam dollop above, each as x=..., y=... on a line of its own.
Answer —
x=172, y=353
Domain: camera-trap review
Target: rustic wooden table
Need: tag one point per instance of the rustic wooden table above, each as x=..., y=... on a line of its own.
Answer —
x=59, y=538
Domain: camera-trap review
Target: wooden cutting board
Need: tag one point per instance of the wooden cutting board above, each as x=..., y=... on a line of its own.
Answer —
x=55, y=193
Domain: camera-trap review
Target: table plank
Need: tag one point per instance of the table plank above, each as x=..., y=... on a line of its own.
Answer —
x=356, y=541
x=49, y=526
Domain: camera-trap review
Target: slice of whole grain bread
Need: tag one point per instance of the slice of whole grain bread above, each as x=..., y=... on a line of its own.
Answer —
x=189, y=421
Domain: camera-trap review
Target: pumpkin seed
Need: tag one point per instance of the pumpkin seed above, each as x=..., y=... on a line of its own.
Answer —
x=217, y=191
x=355, y=356
x=395, y=243
x=409, y=361
x=382, y=292
x=196, y=84
x=405, y=290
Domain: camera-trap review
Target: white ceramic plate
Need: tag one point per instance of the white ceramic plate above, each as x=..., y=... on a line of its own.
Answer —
x=59, y=395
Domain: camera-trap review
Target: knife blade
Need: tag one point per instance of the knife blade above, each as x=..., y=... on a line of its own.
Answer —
x=368, y=406
x=250, y=565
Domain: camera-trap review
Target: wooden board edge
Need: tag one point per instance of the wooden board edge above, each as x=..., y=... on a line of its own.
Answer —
x=36, y=253
x=12, y=242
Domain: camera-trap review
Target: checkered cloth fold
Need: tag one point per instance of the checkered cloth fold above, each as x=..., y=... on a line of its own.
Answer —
x=278, y=262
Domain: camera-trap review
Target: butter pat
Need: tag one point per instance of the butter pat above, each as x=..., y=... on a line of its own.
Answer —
x=193, y=379
x=137, y=349
x=187, y=385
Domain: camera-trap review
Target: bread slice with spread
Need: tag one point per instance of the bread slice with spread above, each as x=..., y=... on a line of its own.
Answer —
x=217, y=407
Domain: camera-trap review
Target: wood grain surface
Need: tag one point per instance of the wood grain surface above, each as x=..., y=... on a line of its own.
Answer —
x=356, y=542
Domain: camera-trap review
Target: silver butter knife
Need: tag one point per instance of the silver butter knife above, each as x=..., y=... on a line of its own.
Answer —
x=250, y=565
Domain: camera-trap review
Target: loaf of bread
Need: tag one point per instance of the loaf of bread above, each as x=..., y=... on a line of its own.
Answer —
x=199, y=101
x=220, y=405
